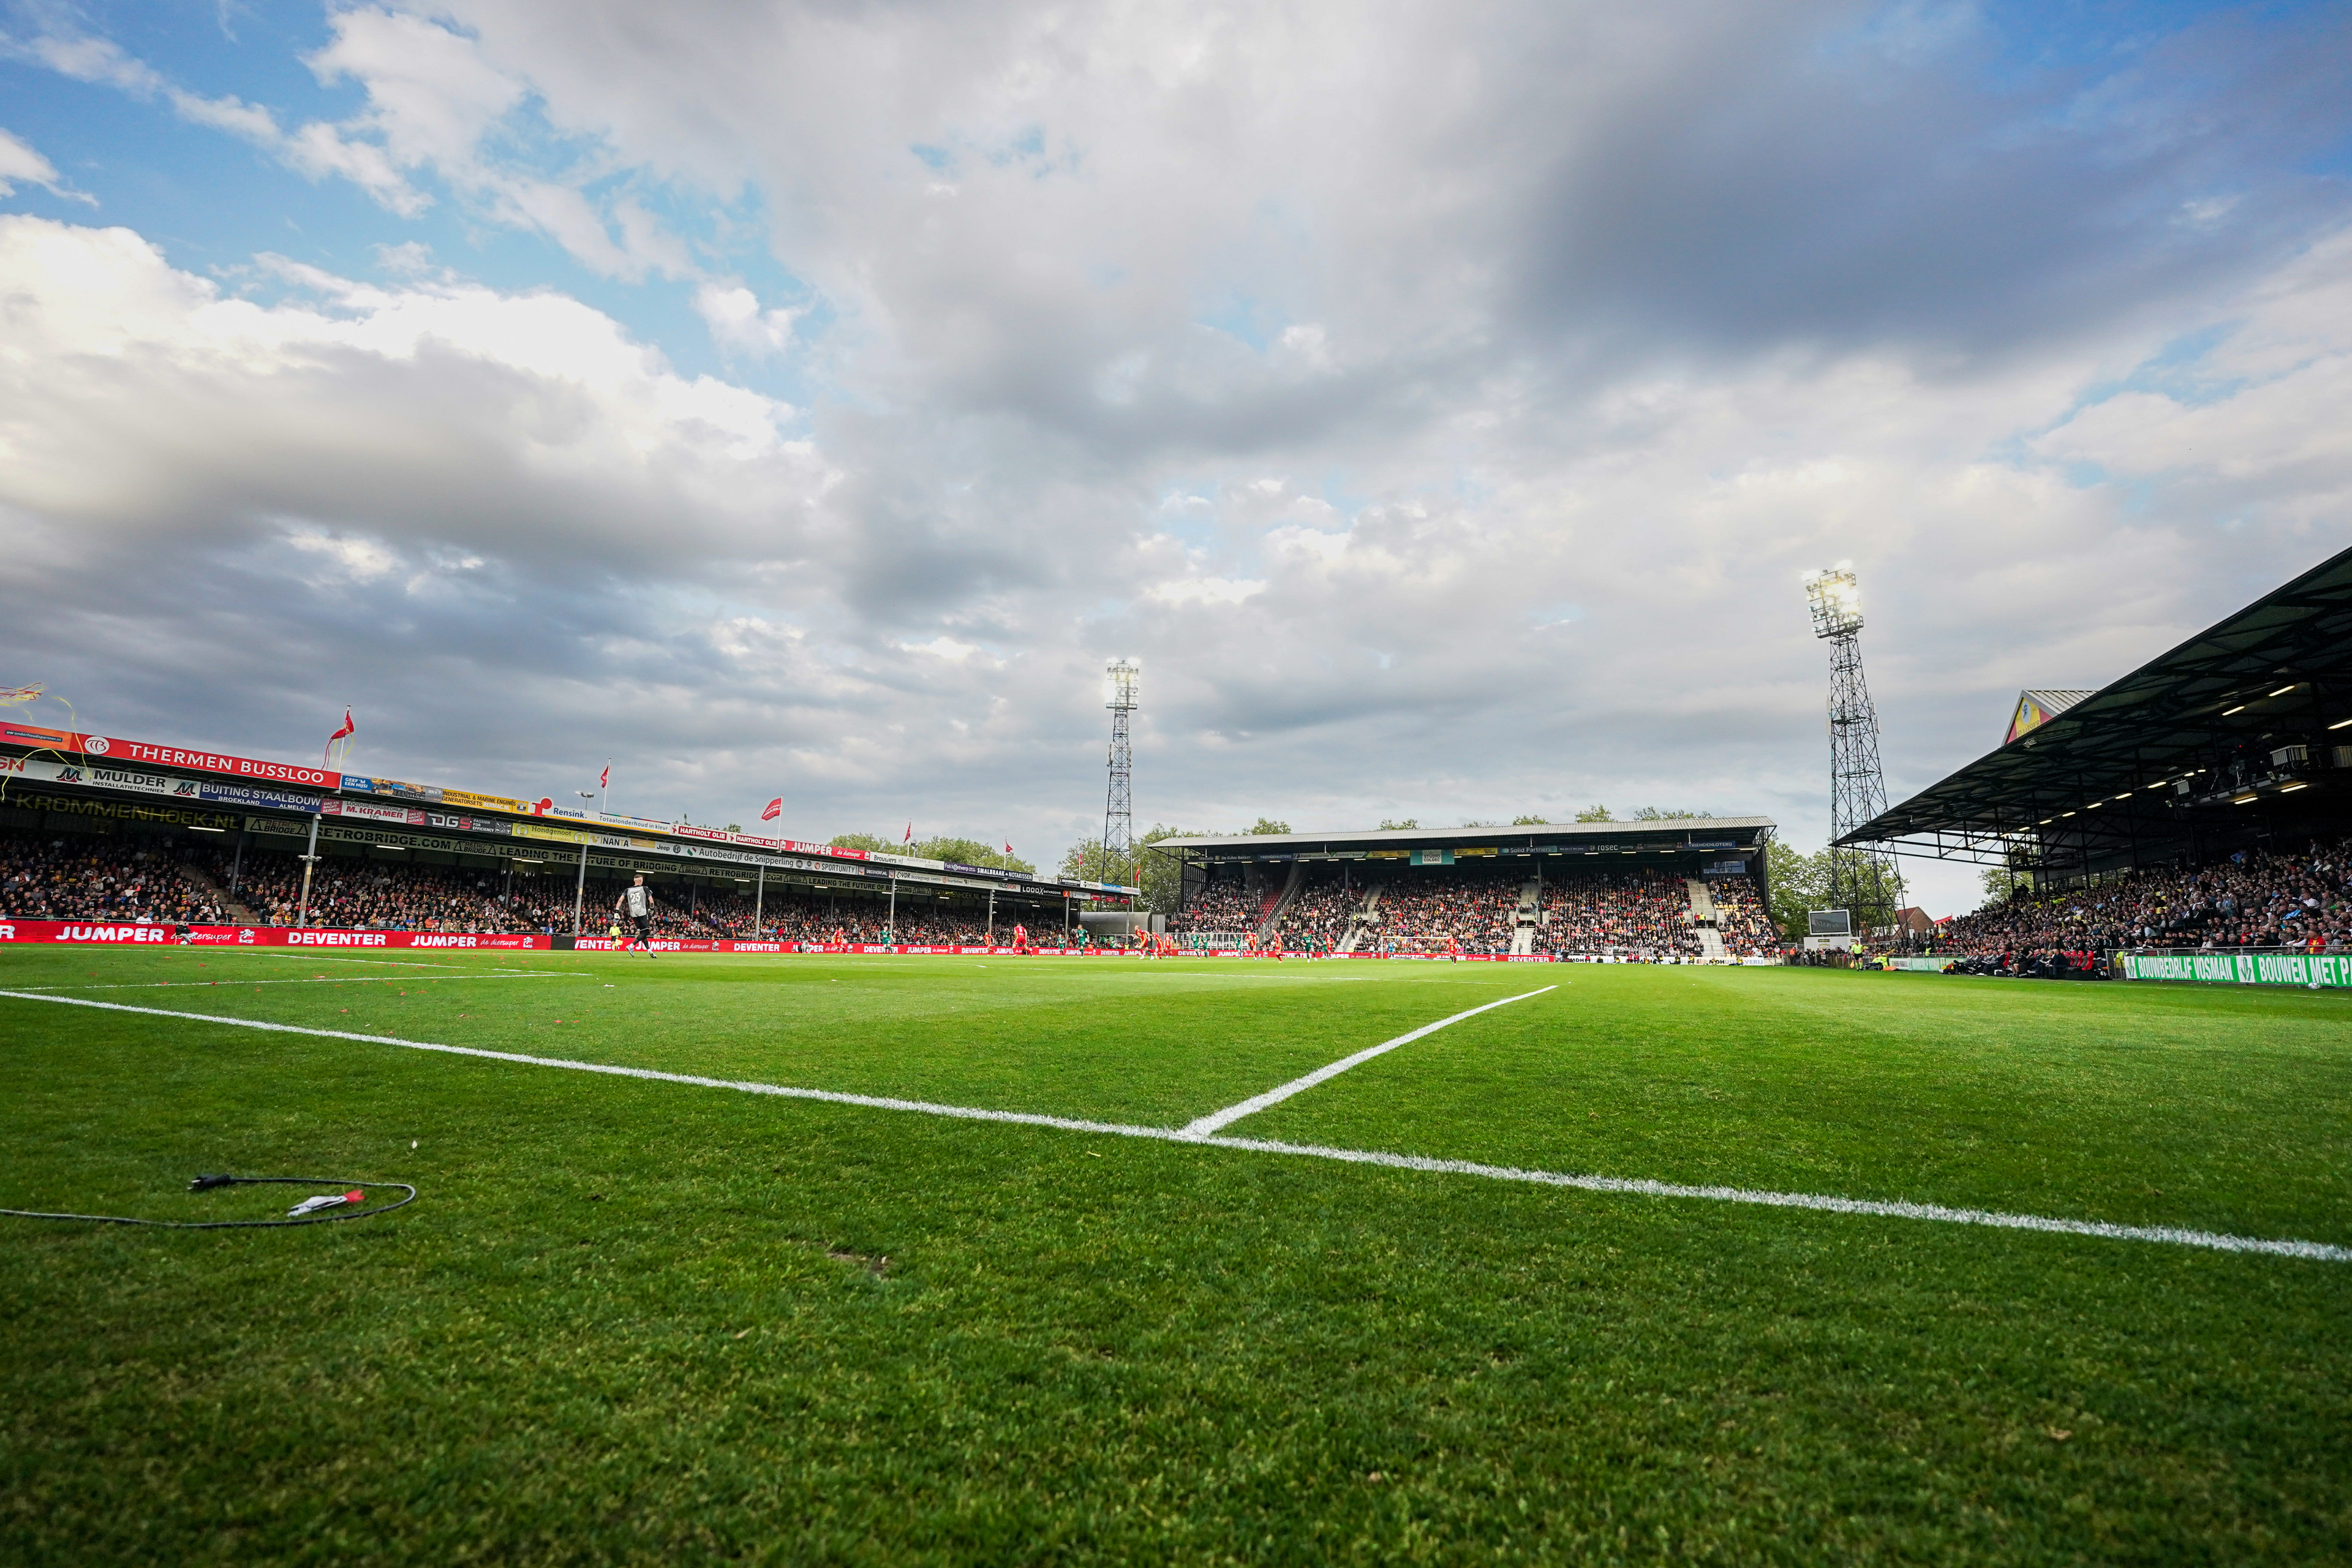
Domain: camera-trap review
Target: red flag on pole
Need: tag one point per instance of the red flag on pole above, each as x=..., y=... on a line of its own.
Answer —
x=1008, y=849
x=910, y=834
x=347, y=731
x=604, y=779
x=772, y=810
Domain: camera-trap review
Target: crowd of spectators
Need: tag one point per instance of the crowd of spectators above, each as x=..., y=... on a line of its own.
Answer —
x=1471, y=912
x=1740, y=920
x=52, y=877
x=1322, y=911
x=1216, y=906
x=363, y=895
x=2252, y=899
x=1644, y=912
x=84, y=876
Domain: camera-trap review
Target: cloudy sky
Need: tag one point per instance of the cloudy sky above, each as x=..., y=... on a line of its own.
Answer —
x=1443, y=401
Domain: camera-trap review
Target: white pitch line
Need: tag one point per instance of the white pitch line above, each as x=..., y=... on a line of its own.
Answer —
x=1210, y=1123
x=2171, y=1235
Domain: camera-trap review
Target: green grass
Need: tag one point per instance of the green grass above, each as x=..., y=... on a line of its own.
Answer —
x=633, y=1320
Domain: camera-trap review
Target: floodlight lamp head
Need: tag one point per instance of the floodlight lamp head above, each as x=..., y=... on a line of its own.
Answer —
x=1835, y=600
x=1122, y=679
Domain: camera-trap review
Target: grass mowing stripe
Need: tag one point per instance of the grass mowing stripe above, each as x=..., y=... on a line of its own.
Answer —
x=1210, y=1123
x=315, y=980
x=1629, y=1185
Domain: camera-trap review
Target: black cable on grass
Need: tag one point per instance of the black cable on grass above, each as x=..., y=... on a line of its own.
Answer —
x=206, y=1183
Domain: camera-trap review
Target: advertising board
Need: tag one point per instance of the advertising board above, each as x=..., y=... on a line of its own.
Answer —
x=2327, y=970
x=150, y=934
x=363, y=811
x=467, y=800
x=118, y=751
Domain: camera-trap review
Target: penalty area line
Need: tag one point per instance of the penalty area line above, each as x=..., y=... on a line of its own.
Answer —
x=2171, y=1235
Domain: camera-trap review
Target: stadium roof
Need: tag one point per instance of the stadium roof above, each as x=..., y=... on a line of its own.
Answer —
x=1727, y=832
x=2277, y=674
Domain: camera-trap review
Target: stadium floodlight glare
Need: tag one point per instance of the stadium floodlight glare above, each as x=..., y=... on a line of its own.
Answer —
x=2340, y=723
x=1835, y=600
x=2240, y=707
x=2283, y=690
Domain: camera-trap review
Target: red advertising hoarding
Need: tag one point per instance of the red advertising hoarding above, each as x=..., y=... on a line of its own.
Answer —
x=121, y=750
x=135, y=933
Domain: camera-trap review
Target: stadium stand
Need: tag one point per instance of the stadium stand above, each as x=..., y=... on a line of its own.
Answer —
x=1323, y=913
x=1216, y=906
x=1740, y=920
x=1643, y=912
x=50, y=876
x=2252, y=900
x=1477, y=910
x=172, y=880
x=1473, y=910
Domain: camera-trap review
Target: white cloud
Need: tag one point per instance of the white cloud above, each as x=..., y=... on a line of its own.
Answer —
x=18, y=161
x=354, y=404
x=1206, y=591
x=736, y=321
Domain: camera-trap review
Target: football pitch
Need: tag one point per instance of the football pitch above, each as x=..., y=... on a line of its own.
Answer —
x=1091, y=1259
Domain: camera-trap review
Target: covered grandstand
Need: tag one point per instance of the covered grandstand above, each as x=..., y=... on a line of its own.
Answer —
x=106, y=832
x=2238, y=741
x=1681, y=889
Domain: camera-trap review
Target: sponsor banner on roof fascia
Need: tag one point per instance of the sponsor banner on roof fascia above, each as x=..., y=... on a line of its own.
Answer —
x=361, y=811
x=251, y=798
x=2328, y=969
x=99, y=776
x=388, y=837
x=122, y=810
x=497, y=825
x=36, y=735
x=429, y=794
x=586, y=835
x=121, y=752
x=467, y=800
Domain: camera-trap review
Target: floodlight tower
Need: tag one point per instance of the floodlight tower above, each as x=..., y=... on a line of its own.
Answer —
x=1859, y=879
x=1120, y=677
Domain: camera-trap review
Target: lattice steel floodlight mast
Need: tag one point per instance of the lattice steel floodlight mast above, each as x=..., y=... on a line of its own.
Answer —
x=1859, y=879
x=1120, y=677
